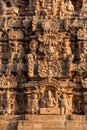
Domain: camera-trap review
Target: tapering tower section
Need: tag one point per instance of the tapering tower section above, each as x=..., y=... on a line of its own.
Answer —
x=43, y=58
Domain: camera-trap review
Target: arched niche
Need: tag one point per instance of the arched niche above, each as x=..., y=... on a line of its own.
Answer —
x=53, y=83
x=49, y=91
x=54, y=86
x=77, y=5
x=8, y=4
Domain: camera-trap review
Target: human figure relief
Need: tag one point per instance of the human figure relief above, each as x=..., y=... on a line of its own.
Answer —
x=9, y=6
x=16, y=50
x=35, y=103
x=50, y=101
x=63, y=104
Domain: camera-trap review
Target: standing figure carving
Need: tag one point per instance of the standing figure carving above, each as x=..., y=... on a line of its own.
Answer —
x=17, y=51
x=35, y=103
x=32, y=57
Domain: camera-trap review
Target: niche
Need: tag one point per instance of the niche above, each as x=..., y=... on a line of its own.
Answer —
x=77, y=5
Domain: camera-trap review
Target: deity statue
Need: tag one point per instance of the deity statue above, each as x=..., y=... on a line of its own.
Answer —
x=63, y=104
x=66, y=49
x=43, y=43
x=33, y=48
x=32, y=57
x=50, y=101
x=35, y=103
x=11, y=102
x=30, y=65
x=17, y=51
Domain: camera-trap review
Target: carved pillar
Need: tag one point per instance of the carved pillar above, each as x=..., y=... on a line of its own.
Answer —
x=28, y=104
x=11, y=102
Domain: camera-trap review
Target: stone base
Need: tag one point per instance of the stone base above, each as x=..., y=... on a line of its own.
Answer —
x=49, y=111
x=43, y=122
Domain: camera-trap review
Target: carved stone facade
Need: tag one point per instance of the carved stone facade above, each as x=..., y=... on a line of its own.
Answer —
x=43, y=57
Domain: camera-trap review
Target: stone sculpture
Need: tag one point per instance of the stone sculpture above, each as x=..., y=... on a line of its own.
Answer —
x=43, y=43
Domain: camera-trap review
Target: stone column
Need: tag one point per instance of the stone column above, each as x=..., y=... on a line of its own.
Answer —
x=11, y=102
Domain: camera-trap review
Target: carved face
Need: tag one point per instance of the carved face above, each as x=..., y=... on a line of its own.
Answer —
x=33, y=45
x=35, y=96
x=49, y=94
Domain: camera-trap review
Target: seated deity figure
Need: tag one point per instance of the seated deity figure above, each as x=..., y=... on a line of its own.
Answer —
x=50, y=102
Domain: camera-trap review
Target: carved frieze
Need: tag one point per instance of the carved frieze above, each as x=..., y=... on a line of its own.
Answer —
x=15, y=34
x=8, y=80
x=43, y=57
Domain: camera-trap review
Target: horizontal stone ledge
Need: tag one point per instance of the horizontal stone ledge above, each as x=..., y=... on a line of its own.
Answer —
x=54, y=125
x=49, y=111
x=45, y=117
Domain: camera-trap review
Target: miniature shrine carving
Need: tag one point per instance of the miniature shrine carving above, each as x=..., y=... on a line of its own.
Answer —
x=43, y=57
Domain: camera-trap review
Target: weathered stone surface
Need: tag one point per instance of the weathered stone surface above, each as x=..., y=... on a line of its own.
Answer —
x=43, y=64
x=49, y=111
x=54, y=125
x=77, y=118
